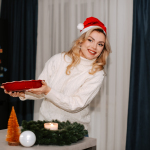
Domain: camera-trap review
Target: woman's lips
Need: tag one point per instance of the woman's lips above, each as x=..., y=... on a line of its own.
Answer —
x=91, y=52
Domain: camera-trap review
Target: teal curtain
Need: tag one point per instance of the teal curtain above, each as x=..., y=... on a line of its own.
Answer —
x=138, y=128
x=21, y=17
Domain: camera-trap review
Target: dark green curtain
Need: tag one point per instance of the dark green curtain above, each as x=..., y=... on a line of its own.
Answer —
x=138, y=129
x=21, y=17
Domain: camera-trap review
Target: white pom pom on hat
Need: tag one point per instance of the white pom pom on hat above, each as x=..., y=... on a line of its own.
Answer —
x=80, y=26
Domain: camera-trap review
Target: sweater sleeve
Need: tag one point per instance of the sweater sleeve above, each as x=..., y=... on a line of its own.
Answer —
x=49, y=68
x=81, y=98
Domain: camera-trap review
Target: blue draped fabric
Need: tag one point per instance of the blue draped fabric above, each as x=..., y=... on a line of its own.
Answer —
x=21, y=17
x=138, y=128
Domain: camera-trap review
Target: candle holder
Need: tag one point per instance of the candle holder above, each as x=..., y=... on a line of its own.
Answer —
x=51, y=126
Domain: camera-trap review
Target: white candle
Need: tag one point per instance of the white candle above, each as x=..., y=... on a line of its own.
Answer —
x=51, y=126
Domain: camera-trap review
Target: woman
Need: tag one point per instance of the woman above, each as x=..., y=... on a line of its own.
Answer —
x=72, y=79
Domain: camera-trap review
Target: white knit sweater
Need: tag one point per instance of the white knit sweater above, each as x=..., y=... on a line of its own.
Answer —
x=70, y=95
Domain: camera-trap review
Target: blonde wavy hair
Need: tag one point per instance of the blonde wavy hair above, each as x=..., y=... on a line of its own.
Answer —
x=74, y=53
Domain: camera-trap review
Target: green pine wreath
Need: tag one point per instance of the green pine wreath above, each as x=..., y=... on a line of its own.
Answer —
x=66, y=134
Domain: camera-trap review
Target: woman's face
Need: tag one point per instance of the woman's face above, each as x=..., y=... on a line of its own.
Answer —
x=93, y=46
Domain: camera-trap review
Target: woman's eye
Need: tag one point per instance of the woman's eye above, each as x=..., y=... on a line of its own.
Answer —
x=100, y=44
x=89, y=40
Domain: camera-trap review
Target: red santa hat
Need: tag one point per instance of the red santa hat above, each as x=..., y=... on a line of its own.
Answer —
x=89, y=23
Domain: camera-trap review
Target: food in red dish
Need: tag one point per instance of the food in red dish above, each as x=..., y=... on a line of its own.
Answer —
x=22, y=85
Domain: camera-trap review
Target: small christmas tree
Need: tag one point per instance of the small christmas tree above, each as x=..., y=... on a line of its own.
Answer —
x=13, y=131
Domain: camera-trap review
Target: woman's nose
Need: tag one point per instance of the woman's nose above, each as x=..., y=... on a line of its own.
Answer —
x=94, y=45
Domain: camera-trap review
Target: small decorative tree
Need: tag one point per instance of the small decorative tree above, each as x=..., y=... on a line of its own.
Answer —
x=13, y=130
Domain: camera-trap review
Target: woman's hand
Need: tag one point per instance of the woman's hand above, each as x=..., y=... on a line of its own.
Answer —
x=45, y=89
x=14, y=94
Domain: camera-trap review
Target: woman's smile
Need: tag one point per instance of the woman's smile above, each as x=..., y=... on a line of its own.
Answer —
x=91, y=52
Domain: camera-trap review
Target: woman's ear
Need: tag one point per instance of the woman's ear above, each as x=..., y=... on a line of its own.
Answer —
x=80, y=45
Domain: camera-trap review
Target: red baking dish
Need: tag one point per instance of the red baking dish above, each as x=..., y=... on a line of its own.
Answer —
x=22, y=85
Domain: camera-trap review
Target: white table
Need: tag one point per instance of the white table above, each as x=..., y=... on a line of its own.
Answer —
x=86, y=144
